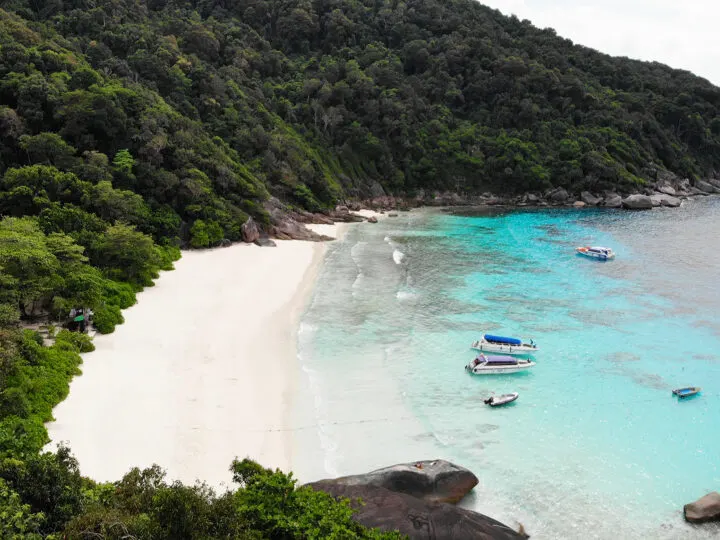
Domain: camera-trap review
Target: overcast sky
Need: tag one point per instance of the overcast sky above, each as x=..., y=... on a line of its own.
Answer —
x=684, y=34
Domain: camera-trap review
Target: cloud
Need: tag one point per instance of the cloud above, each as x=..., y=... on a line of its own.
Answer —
x=680, y=34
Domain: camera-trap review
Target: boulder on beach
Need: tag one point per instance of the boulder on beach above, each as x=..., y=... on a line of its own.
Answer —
x=372, y=219
x=414, y=517
x=249, y=231
x=705, y=509
x=264, y=241
x=637, y=202
x=433, y=480
x=667, y=190
x=579, y=204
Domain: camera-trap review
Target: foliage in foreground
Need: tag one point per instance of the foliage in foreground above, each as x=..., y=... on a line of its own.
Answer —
x=144, y=506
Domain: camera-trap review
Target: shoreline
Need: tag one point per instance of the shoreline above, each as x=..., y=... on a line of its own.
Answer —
x=202, y=370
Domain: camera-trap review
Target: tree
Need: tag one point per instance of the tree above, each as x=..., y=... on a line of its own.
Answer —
x=126, y=255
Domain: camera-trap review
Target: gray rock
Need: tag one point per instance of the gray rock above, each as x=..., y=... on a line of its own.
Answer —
x=225, y=242
x=416, y=518
x=637, y=202
x=613, y=200
x=579, y=204
x=706, y=187
x=714, y=182
x=249, y=231
x=684, y=185
x=695, y=191
x=264, y=241
x=590, y=199
x=531, y=198
x=559, y=195
x=667, y=190
x=656, y=199
x=392, y=214
x=432, y=480
x=660, y=199
x=372, y=219
x=705, y=509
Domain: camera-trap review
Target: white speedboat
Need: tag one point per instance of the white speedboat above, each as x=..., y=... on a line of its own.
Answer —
x=498, y=365
x=504, y=345
x=497, y=401
x=596, y=252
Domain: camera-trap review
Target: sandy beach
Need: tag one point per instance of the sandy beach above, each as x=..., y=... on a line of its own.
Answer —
x=200, y=372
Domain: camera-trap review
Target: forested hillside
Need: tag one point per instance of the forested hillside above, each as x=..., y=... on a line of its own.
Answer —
x=203, y=108
x=131, y=128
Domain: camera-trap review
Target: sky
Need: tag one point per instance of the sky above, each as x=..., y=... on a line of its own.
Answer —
x=683, y=34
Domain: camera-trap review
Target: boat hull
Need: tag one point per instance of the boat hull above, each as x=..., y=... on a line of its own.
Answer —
x=595, y=255
x=686, y=392
x=515, y=350
x=498, y=370
x=499, y=401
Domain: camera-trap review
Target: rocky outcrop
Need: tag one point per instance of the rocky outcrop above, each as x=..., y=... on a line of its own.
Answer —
x=414, y=517
x=249, y=231
x=435, y=480
x=667, y=190
x=705, y=509
x=590, y=199
x=637, y=202
x=613, y=200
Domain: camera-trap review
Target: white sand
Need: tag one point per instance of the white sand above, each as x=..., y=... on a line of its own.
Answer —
x=201, y=371
x=198, y=374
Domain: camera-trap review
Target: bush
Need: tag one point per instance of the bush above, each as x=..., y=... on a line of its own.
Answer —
x=81, y=342
x=106, y=318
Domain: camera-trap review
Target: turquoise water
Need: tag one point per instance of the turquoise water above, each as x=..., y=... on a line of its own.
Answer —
x=596, y=446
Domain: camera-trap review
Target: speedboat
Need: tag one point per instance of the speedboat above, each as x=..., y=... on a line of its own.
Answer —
x=596, y=252
x=686, y=392
x=497, y=365
x=496, y=401
x=504, y=345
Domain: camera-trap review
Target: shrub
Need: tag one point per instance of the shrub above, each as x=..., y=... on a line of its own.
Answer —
x=106, y=318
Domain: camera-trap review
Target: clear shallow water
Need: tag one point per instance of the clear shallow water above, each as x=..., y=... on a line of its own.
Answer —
x=595, y=447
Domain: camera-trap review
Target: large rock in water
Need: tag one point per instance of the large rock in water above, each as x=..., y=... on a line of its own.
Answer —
x=416, y=518
x=433, y=480
x=637, y=202
x=706, y=187
x=590, y=199
x=661, y=199
x=705, y=509
x=613, y=200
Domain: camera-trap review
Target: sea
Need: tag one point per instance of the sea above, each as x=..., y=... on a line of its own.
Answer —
x=596, y=446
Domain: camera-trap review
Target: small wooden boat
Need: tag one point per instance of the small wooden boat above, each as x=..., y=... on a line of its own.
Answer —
x=498, y=365
x=504, y=345
x=596, y=252
x=504, y=399
x=686, y=392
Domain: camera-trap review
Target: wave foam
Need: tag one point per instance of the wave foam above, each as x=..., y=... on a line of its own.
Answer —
x=398, y=256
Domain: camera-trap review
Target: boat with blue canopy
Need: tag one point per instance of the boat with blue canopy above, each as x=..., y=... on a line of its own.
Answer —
x=504, y=345
x=687, y=391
